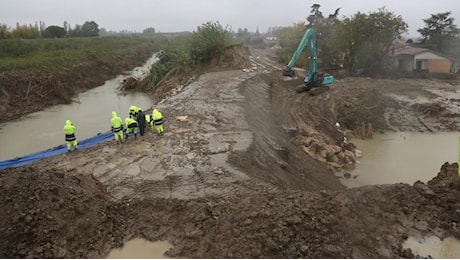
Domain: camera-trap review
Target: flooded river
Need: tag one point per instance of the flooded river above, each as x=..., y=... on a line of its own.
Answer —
x=405, y=157
x=90, y=113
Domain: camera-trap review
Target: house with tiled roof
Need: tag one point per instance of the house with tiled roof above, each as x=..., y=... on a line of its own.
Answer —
x=415, y=59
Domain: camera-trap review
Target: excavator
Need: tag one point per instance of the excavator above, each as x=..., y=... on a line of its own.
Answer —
x=314, y=79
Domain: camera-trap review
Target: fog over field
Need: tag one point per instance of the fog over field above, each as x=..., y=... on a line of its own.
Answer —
x=186, y=15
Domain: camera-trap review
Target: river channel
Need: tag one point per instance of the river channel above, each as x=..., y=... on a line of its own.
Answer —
x=90, y=112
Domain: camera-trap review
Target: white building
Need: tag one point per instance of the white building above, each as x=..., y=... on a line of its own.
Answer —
x=421, y=59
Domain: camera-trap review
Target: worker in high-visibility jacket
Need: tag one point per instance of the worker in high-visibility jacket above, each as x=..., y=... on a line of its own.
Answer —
x=117, y=127
x=131, y=127
x=158, y=121
x=149, y=121
x=133, y=112
x=71, y=140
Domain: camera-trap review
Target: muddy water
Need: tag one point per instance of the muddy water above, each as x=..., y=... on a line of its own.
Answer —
x=90, y=113
x=140, y=249
x=402, y=157
x=433, y=247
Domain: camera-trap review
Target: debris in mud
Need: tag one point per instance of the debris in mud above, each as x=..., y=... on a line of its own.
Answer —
x=182, y=118
x=429, y=109
x=129, y=84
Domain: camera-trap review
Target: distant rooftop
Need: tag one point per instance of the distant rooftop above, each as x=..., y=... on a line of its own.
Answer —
x=408, y=50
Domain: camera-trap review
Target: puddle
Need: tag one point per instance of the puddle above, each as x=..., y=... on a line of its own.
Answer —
x=139, y=248
x=433, y=247
x=402, y=157
x=141, y=147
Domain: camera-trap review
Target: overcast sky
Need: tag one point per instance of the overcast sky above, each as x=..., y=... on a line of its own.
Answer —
x=187, y=15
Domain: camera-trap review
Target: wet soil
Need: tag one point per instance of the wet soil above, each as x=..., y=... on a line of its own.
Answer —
x=244, y=170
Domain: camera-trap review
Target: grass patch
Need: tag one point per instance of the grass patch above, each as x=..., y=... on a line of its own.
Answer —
x=46, y=55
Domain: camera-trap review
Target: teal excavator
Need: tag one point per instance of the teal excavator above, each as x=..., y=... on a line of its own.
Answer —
x=314, y=78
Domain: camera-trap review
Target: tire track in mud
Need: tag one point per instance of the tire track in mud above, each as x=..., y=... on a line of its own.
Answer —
x=264, y=64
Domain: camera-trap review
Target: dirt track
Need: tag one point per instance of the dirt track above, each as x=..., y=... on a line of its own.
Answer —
x=246, y=175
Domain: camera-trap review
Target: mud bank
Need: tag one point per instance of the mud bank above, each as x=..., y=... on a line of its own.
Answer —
x=49, y=214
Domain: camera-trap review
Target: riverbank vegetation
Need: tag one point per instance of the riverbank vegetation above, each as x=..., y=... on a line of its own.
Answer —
x=189, y=51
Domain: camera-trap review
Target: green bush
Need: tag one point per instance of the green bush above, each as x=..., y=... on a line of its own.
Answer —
x=185, y=51
x=209, y=40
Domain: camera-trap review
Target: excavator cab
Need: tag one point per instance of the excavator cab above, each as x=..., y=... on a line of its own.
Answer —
x=317, y=79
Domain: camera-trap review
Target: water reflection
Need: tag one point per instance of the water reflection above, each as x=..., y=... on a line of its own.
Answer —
x=433, y=247
x=402, y=157
x=140, y=249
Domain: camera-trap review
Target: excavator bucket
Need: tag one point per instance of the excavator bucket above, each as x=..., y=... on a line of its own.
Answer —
x=302, y=88
x=288, y=73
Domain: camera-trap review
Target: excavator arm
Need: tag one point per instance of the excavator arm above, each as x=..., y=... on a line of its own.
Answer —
x=313, y=78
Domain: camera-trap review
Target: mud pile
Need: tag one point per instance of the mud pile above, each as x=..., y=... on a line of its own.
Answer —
x=52, y=214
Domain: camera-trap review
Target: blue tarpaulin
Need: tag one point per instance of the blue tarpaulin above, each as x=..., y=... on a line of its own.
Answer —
x=18, y=161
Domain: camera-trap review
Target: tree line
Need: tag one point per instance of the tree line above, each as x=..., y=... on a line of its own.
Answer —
x=365, y=40
x=40, y=30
